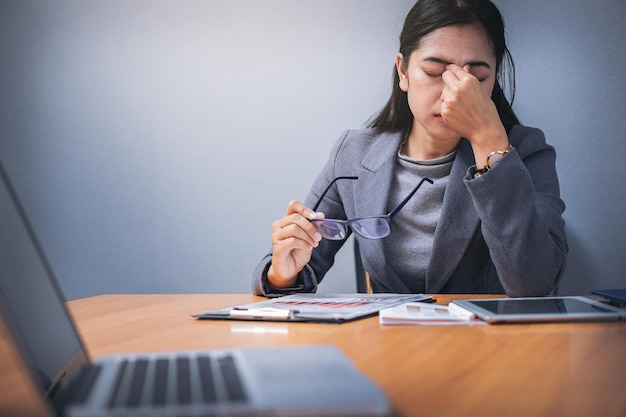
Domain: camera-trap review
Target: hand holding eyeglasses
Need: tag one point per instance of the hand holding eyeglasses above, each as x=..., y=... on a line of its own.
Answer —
x=293, y=240
x=301, y=229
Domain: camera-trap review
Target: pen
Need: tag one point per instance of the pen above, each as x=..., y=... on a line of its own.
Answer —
x=461, y=312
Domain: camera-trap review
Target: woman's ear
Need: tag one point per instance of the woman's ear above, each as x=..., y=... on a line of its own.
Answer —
x=404, y=80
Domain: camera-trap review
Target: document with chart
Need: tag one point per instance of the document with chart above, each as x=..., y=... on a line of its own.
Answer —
x=330, y=308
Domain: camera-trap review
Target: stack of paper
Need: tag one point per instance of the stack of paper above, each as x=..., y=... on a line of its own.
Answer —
x=425, y=314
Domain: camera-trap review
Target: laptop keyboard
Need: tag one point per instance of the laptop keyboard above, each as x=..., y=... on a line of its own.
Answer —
x=181, y=380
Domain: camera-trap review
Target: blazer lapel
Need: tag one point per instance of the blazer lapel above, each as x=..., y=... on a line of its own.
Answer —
x=457, y=224
x=371, y=199
x=375, y=178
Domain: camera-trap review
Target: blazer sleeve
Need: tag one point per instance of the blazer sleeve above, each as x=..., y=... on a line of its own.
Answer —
x=519, y=205
x=323, y=256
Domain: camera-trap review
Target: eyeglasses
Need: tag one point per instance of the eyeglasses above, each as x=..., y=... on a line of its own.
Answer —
x=374, y=227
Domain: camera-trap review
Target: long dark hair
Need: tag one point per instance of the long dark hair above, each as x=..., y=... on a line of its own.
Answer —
x=429, y=15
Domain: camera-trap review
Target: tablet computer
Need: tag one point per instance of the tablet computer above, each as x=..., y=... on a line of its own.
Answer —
x=539, y=309
x=617, y=297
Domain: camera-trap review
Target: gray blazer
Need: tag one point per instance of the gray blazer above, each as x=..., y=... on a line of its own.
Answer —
x=501, y=232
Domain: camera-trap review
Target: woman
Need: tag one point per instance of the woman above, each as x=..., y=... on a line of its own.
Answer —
x=487, y=217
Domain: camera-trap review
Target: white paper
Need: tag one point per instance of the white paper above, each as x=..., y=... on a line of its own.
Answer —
x=424, y=314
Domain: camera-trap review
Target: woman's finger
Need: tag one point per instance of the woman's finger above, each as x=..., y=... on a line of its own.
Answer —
x=298, y=207
x=305, y=232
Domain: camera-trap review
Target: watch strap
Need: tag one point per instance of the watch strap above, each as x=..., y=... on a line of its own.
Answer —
x=492, y=159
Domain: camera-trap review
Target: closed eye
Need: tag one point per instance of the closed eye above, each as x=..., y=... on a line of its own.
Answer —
x=433, y=74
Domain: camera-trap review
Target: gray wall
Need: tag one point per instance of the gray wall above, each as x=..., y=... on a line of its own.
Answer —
x=154, y=142
x=570, y=57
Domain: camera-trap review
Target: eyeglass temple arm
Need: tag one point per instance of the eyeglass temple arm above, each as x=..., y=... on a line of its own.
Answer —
x=408, y=197
x=319, y=201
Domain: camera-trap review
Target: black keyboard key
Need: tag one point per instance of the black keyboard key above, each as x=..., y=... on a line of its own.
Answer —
x=231, y=379
x=79, y=387
x=206, y=379
x=183, y=379
x=85, y=382
x=137, y=382
x=118, y=382
x=160, y=382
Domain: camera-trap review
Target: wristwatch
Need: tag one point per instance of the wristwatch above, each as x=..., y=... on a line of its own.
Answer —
x=492, y=158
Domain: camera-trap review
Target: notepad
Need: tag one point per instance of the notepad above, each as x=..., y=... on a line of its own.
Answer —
x=329, y=308
x=425, y=314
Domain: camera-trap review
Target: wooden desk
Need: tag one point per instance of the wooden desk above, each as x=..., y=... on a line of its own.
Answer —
x=567, y=369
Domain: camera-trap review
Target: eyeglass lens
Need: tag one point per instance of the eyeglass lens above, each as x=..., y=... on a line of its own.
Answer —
x=369, y=228
x=330, y=229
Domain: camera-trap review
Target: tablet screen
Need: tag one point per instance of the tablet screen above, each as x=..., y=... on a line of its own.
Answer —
x=541, y=306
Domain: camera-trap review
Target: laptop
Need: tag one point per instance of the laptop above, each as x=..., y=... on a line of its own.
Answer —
x=308, y=380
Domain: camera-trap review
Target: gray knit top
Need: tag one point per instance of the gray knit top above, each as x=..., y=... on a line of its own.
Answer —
x=408, y=247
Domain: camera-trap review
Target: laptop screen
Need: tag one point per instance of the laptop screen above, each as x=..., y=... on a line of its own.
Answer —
x=30, y=300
